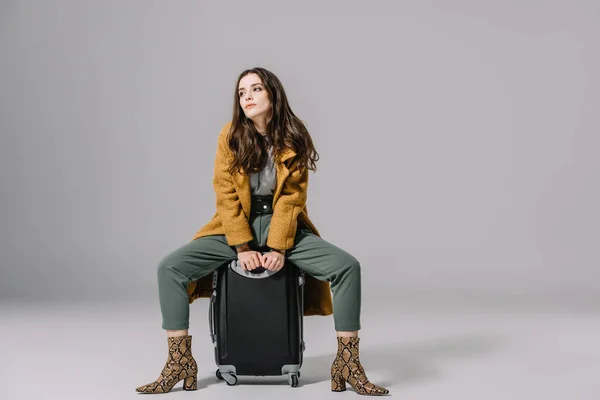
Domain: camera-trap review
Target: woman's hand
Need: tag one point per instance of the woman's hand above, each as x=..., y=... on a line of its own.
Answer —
x=250, y=259
x=273, y=260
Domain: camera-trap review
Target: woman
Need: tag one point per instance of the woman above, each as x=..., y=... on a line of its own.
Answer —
x=270, y=142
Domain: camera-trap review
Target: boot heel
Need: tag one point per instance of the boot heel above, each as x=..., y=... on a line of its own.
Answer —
x=338, y=384
x=190, y=383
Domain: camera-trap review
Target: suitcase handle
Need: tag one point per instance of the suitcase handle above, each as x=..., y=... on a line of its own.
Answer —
x=265, y=273
x=211, y=317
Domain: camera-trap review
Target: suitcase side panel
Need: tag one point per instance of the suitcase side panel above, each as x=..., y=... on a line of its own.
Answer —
x=258, y=322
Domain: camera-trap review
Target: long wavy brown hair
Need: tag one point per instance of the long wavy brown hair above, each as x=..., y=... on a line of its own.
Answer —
x=284, y=130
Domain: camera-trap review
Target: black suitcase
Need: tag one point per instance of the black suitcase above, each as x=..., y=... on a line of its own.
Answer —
x=255, y=320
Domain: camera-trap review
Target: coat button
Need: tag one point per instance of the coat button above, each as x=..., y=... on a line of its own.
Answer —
x=265, y=206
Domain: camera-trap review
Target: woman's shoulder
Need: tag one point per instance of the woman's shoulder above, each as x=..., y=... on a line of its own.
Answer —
x=224, y=133
x=225, y=128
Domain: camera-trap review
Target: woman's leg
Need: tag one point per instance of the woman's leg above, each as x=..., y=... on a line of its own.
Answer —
x=327, y=262
x=189, y=262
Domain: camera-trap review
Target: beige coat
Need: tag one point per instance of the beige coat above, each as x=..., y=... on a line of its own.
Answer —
x=231, y=219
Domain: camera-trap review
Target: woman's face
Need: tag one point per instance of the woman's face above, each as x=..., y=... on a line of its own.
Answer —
x=254, y=99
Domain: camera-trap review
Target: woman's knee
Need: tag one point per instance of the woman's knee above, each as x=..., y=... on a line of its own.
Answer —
x=345, y=268
x=350, y=263
x=167, y=265
x=355, y=265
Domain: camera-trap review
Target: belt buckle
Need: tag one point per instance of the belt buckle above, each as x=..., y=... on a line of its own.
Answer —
x=261, y=206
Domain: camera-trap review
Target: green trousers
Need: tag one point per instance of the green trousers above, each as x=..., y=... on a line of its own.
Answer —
x=311, y=253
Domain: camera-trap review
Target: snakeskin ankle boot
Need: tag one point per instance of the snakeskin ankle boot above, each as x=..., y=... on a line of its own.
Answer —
x=180, y=365
x=347, y=368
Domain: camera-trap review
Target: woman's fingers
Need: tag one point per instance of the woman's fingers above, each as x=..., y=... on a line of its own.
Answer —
x=250, y=261
x=268, y=263
x=273, y=262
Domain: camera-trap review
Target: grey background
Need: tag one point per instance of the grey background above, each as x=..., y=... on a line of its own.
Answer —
x=459, y=163
x=458, y=141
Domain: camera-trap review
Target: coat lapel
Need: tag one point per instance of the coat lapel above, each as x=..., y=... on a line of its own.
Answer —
x=242, y=182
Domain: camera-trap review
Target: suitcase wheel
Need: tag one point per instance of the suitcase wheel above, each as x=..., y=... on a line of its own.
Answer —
x=293, y=380
x=230, y=378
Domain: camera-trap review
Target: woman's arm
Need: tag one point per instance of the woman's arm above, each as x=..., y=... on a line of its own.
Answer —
x=242, y=247
x=236, y=226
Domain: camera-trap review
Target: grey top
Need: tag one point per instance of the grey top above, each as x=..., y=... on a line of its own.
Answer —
x=263, y=183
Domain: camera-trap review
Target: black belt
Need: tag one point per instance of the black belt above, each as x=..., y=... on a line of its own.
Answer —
x=261, y=204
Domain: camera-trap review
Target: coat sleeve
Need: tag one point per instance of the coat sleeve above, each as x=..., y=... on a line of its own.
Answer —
x=290, y=203
x=235, y=224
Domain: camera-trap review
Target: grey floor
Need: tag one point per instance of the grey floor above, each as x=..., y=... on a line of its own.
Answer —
x=419, y=348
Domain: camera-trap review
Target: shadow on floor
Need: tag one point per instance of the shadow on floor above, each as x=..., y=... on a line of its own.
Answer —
x=397, y=365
